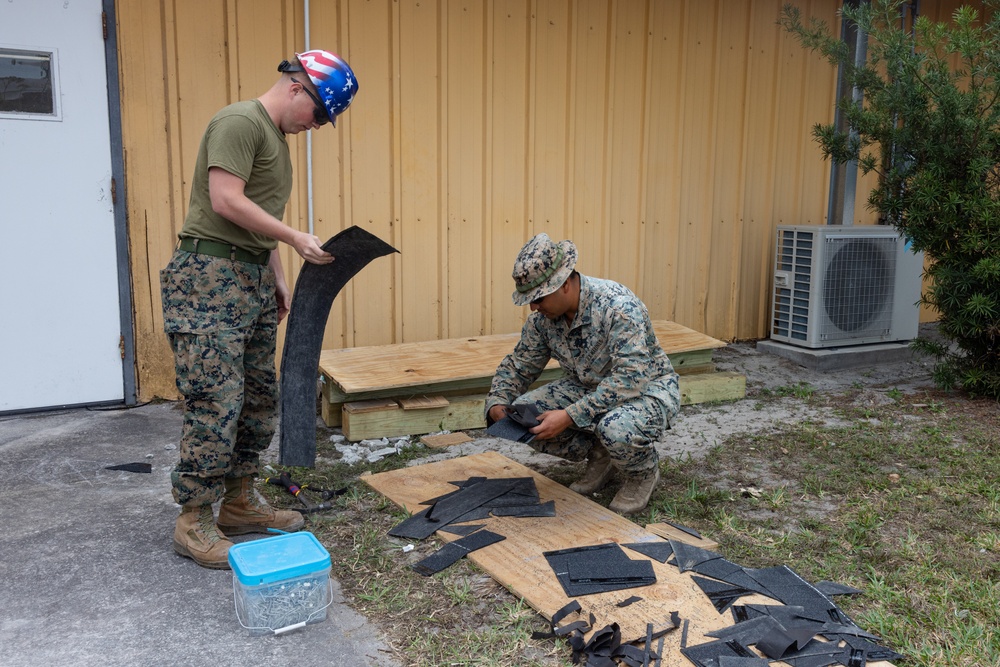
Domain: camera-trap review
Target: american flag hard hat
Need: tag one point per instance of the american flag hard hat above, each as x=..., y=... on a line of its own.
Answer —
x=333, y=77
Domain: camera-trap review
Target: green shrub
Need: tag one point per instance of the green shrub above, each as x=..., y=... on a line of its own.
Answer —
x=929, y=127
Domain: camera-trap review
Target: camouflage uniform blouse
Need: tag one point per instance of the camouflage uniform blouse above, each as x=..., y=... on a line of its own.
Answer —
x=609, y=348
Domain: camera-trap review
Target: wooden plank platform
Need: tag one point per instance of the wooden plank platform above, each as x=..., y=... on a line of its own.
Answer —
x=465, y=366
x=357, y=370
x=518, y=564
x=387, y=418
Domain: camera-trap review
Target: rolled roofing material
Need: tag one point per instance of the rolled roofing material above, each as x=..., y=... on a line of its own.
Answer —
x=315, y=290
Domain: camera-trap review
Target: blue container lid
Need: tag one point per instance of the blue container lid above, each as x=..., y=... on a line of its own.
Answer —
x=276, y=558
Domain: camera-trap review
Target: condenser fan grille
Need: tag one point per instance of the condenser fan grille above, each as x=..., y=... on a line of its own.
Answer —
x=858, y=286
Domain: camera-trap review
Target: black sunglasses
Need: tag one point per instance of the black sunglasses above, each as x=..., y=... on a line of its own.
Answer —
x=319, y=113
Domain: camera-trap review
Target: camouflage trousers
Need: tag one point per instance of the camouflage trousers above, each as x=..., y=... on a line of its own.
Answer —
x=221, y=319
x=629, y=431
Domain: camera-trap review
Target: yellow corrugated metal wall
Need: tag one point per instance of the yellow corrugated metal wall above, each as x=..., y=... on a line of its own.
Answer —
x=667, y=138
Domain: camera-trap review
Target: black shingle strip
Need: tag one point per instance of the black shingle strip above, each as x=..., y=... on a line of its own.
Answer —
x=709, y=654
x=424, y=523
x=453, y=551
x=315, y=290
x=602, y=558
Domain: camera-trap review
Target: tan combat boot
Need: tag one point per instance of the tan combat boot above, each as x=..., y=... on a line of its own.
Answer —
x=196, y=537
x=598, y=471
x=635, y=493
x=244, y=511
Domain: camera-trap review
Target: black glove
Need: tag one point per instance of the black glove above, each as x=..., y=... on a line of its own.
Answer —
x=525, y=414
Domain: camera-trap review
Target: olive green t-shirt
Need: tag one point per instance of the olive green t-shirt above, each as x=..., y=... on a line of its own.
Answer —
x=243, y=140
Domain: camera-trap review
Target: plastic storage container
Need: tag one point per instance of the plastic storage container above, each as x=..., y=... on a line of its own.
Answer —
x=280, y=583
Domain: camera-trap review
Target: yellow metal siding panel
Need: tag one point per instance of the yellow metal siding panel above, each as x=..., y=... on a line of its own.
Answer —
x=150, y=178
x=667, y=138
x=463, y=127
x=550, y=147
x=626, y=104
x=728, y=120
x=697, y=159
x=663, y=164
x=776, y=137
x=508, y=141
x=421, y=224
x=366, y=153
x=589, y=122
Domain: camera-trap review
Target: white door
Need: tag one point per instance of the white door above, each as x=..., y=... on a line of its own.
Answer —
x=60, y=324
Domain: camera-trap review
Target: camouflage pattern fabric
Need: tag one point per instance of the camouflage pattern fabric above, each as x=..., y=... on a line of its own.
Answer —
x=221, y=319
x=627, y=431
x=616, y=374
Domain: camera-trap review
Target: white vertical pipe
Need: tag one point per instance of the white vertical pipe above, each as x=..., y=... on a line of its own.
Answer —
x=309, y=144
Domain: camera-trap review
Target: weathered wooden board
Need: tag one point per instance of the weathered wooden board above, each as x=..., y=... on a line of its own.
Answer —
x=379, y=405
x=391, y=419
x=423, y=402
x=445, y=439
x=392, y=367
x=517, y=562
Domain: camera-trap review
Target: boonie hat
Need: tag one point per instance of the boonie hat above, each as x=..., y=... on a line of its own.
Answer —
x=541, y=268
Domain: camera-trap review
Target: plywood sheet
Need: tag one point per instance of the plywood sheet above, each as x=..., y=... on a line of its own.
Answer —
x=518, y=563
x=360, y=369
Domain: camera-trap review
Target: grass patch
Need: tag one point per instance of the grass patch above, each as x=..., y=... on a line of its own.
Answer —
x=902, y=503
x=899, y=500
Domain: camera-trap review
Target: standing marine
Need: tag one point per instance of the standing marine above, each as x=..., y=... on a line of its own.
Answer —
x=224, y=293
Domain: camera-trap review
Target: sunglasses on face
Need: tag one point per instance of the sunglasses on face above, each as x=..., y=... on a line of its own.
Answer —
x=319, y=113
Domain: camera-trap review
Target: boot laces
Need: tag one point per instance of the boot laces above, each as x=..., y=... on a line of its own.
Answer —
x=206, y=521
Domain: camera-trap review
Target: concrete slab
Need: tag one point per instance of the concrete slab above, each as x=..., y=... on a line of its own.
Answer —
x=90, y=576
x=839, y=358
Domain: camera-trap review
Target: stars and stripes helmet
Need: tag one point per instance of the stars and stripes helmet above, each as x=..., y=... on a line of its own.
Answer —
x=333, y=77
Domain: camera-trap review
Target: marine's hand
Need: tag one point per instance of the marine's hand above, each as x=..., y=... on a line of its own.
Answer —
x=553, y=422
x=498, y=412
x=284, y=298
x=310, y=249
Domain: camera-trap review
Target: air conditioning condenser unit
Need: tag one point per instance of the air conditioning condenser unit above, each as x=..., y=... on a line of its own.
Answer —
x=837, y=285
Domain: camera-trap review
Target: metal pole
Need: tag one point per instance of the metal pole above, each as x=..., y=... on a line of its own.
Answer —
x=309, y=144
x=844, y=177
